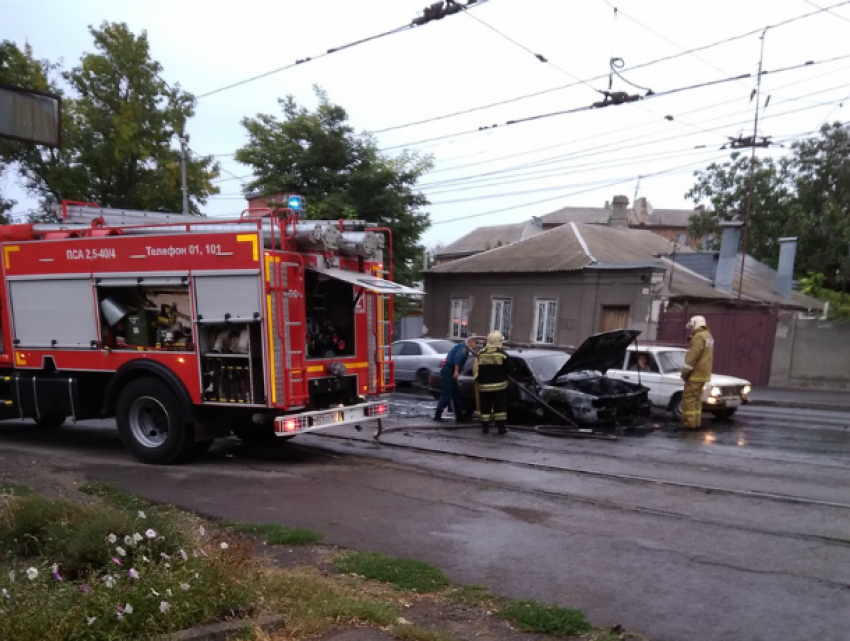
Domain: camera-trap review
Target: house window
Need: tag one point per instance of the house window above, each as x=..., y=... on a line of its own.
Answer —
x=460, y=318
x=544, y=320
x=614, y=318
x=501, y=316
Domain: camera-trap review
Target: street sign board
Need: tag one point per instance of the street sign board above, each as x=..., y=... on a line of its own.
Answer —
x=30, y=116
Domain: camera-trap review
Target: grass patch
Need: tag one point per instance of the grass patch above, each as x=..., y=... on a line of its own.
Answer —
x=7, y=487
x=276, y=534
x=533, y=616
x=113, y=495
x=416, y=633
x=407, y=574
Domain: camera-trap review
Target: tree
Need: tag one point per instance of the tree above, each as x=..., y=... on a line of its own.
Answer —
x=340, y=173
x=805, y=194
x=118, y=128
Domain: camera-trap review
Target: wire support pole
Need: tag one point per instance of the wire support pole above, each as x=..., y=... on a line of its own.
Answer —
x=751, y=186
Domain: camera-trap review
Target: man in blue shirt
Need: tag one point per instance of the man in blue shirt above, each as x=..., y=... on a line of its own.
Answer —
x=449, y=373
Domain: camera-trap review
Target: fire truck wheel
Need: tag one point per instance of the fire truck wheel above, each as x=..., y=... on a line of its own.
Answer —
x=50, y=421
x=151, y=422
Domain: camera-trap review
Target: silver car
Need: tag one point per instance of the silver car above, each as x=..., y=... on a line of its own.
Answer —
x=416, y=358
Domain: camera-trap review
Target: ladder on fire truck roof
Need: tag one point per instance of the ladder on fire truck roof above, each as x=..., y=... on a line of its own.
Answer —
x=348, y=237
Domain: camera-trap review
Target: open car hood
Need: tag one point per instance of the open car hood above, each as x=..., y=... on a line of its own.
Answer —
x=600, y=352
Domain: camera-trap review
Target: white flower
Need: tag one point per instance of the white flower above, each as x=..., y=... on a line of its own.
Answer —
x=137, y=538
x=167, y=566
x=168, y=591
x=164, y=606
x=183, y=555
x=112, y=538
x=154, y=592
x=128, y=609
x=202, y=530
x=150, y=533
x=224, y=545
x=145, y=559
x=142, y=515
x=92, y=620
x=164, y=555
x=109, y=581
x=132, y=573
x=6, y=593
x=55, y=568
x=32, y=573
x=185, y=586
x=121, y=551
x=128, y=540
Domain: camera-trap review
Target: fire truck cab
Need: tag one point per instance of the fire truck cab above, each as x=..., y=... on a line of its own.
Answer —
x=186, y=329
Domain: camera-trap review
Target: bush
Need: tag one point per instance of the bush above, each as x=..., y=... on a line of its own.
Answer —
x=533, y=616
x=276, y=534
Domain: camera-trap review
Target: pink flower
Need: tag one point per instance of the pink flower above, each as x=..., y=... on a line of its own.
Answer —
x=132, y=573
x=116, y=561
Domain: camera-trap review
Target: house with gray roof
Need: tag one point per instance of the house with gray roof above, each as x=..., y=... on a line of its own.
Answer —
x=671, y=224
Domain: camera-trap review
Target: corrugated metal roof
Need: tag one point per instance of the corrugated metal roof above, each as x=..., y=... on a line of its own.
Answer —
x=484, y=238
x=564, y=248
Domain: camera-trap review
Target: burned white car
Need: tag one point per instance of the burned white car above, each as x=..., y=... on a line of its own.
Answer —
x=574, y=385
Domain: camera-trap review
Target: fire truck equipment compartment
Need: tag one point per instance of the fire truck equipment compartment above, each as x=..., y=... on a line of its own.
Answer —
x=227, y=297
x=57, y=312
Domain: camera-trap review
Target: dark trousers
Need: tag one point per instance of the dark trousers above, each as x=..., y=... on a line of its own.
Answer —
x=450, y=392
x=493, y=406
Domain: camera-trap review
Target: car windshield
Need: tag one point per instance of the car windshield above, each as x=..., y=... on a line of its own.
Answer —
x=441, y=347
x=672, y=361
x=545, y=367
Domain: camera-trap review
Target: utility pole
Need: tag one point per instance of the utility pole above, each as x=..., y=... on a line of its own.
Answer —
x=752, y=170
x=183, y=174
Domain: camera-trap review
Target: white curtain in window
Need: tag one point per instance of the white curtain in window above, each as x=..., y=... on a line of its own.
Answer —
x=544, y=325
x=501, y=316
x=460, y=318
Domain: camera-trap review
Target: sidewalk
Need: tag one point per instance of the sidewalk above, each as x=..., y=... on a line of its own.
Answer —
x=801, y=398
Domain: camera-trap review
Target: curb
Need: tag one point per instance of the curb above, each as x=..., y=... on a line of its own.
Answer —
x=220, y=631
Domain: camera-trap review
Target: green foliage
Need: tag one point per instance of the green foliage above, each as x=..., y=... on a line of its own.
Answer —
x=118, y=124
x=407, y=574
x=533, y=616
x=114, y=495
x=61, y=577
x=276, y=534
x=805, y=194
x=814, y=284
x=340, y=173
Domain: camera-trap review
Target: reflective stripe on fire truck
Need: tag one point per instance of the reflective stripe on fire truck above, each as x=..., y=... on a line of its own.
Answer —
x=6, y=251
x=250, y=238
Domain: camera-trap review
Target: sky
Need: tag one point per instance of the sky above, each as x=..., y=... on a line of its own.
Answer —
x=468, y=61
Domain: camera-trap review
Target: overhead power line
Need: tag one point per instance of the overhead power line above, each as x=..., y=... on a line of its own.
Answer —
x=597, y=106
x=431, y=13
x=642, y=65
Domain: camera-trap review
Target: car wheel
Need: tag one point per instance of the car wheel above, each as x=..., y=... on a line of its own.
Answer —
x=423, y=378
x=676, y=406
x=724, y=414
x=152, y=423
x=50, y=421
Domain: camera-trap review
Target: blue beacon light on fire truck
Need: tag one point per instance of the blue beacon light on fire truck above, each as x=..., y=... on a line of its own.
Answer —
x=296, y=204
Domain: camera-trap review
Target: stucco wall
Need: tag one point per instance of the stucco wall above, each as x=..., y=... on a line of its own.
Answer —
x=811, y=353
x=580, y=296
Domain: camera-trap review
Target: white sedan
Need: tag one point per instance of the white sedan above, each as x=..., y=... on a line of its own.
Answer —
x=660, y=369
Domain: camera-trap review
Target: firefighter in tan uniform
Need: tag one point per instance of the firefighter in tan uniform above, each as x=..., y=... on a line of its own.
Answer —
x=491, y=370
x=696, y=371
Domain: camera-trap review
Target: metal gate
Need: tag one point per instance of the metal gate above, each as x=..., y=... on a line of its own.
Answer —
x=743, y=338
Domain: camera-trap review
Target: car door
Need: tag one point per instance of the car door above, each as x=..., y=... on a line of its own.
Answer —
x=650, y=377
x=405, y=354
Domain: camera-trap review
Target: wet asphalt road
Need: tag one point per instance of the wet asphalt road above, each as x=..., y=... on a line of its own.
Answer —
x=739, y=532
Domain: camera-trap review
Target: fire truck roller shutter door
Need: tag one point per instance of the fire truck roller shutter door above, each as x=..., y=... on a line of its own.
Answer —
x=367, y=281
x=228, y=297
x=53, y=312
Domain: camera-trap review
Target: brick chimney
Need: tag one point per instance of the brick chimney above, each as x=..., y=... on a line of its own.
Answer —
x=620, y=213
x=785, y=271
x=728, y=252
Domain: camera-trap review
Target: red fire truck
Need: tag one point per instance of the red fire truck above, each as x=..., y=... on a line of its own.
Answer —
x=186, y=329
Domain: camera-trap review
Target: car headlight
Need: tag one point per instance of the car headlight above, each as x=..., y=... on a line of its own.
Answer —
x=716, y=391
x=746, y=390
